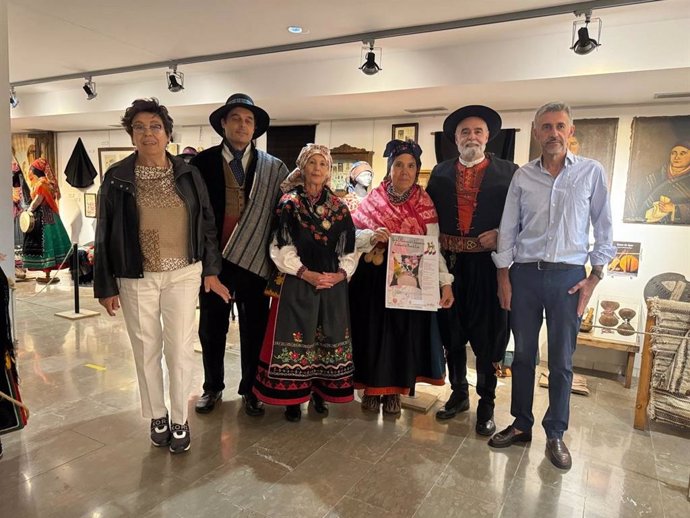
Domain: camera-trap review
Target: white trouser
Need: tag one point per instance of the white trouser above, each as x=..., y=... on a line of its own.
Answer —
x=160, y=314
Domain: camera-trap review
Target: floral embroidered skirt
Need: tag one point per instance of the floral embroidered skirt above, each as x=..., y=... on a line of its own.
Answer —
x=47, y=245
x=307, y=346
x=393, y=348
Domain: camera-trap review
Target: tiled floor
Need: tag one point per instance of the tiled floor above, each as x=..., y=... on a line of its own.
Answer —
x=86, y=452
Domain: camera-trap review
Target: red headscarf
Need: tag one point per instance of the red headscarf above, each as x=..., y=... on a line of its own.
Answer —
x=410, y=217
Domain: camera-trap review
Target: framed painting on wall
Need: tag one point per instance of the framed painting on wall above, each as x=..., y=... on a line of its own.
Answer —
x=658, y=186
x=408, y=131
x=593, y=138
x=90, y=204
x=107, y=156
x=424, y=175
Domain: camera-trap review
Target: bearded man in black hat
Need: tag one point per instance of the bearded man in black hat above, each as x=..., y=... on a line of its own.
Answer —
x=243, y=186
x=469, y=193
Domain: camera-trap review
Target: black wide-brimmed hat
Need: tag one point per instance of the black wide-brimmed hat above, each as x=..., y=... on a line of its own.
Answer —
x=261, y=118
x=491, y=117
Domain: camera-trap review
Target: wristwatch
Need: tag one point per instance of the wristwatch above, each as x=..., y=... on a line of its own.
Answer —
x=599, y=273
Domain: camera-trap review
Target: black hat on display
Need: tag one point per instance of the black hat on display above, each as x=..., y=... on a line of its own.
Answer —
x=491, y=117
x=261, y=118
x=79, y=170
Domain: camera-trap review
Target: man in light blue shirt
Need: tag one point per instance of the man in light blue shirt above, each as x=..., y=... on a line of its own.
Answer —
x=543, y=246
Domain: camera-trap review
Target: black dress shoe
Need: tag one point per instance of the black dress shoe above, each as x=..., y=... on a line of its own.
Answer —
x=453, y=406
x=207, y=401
x=252, y=406
x=508, y=437
x=293, y=413
x=558, y=453
x=485, y=428
x=319, y=404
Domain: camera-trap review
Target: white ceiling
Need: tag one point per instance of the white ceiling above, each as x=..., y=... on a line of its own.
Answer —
x=49, y=38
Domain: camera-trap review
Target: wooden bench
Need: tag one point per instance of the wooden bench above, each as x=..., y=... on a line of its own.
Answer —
x=631, y=349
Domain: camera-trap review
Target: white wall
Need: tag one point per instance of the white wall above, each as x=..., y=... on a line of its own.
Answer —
x=664, y=248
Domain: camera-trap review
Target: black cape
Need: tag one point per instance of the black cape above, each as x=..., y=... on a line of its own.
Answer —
x=80, y=171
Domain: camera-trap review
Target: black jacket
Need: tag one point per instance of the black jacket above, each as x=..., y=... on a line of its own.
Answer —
x=490, y=200
x=117, y=250
x=210, y=163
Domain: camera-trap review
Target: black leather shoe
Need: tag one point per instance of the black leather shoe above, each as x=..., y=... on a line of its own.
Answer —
x=207, y=401
x=508, y=437
x=293, y=413
x=319, y=404
x=558, y=453
x=485, y=428
x=252, y=406
x=453, y=406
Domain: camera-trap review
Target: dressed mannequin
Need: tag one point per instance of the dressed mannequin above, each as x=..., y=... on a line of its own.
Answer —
x=45, y=246
x=361, y=177
x=21, y=197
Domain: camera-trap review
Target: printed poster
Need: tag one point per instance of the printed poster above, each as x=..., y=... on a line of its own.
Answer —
x=412, y=272
x=626, y=263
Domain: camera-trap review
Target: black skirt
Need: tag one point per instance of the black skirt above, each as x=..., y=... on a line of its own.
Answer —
x=391, y=348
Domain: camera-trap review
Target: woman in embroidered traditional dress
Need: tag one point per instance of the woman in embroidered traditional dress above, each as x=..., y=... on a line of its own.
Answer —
x=155, y=241
x=391, y=347
x=47, y=244
x=307, y=351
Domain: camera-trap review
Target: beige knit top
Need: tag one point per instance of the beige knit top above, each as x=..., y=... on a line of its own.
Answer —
x=163, y=220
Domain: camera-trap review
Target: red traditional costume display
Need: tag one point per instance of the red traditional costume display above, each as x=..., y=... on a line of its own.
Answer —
x=47, y=244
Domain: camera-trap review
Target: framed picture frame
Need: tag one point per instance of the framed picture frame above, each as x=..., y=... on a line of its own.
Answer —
x=424, y=175
x=90, y=204
x=107, y=156
x=407, y=131
x=658, y=183
x=593, y=138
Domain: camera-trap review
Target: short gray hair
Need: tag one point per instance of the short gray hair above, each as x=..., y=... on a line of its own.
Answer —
x=556, y=106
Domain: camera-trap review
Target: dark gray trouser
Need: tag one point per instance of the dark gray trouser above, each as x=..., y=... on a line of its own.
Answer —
x=536, y=291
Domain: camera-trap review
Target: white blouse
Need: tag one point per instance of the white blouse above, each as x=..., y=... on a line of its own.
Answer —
x=287, y=260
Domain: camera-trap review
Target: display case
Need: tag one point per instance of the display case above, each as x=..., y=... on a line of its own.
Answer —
x=343, y=158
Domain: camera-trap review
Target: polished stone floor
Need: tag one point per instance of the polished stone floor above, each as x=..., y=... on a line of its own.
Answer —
x=86, y=453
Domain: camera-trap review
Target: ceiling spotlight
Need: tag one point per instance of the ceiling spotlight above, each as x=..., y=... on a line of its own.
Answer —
x=175, y=79
x=370, y=67
x=90, y=89
x=583, y=44
x=295, y=29
x=14, y=100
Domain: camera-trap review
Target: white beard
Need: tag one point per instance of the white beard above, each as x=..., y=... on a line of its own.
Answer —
x=471, y=153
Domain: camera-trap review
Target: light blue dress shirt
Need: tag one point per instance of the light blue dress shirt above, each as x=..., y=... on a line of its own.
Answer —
x=548, y=219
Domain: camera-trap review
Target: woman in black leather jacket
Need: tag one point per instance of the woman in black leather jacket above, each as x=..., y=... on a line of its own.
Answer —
x=155, y=240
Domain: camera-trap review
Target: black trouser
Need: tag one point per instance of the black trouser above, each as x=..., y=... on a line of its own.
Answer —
x=475, y=316
x=247, y=289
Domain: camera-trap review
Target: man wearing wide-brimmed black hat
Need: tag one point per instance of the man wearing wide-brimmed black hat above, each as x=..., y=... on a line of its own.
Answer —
x=469, y=193
x=243, y=185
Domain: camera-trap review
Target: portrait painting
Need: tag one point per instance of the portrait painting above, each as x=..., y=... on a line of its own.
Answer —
x=658, y=185
x=593, y=138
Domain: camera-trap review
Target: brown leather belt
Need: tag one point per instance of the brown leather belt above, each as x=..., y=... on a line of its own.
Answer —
x=459, y=244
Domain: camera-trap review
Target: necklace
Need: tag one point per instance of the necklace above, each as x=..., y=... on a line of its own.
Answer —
x=395, y=198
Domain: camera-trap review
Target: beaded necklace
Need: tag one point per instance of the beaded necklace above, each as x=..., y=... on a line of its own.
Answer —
x=395, y=198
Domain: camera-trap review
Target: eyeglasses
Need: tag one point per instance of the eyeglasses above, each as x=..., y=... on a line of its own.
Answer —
x=153, y=128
